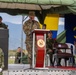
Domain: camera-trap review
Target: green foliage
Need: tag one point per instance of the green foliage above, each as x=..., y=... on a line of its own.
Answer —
x=11, y=60
x=11, y=52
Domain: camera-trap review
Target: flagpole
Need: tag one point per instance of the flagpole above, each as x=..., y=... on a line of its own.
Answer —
x=22, y=37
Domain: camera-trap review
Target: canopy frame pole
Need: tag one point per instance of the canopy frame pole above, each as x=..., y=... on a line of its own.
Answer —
x=22, y=38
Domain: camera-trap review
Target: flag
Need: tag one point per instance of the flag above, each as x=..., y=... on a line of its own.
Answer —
x=51, y=22
x=70, y=27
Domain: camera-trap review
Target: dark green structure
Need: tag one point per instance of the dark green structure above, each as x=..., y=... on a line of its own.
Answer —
x=4, y=35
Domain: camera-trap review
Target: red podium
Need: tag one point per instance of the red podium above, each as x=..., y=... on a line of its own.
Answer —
x=39, y=48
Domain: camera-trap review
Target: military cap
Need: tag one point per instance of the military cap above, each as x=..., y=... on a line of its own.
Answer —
x=31, y=13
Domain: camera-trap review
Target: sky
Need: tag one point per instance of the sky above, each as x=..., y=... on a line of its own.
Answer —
x=15, y=29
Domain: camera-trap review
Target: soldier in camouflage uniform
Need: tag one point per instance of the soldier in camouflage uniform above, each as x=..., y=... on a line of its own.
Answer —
x=2, y=25
x=28, y=27
x=18, y=55
x=49, y=47
x=1, y=60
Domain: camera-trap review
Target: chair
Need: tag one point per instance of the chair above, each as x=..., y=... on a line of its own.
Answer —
x=72, y=48
x=65, y=55
x=70, y=45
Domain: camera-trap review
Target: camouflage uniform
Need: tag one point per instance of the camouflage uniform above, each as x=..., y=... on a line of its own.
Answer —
x=50, y=43
x=18, y=57
x=28, y=27
x=2, y=25
x=49, y=46
x=1, y=60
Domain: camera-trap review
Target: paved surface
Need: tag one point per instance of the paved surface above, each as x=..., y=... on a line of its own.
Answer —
x=23, y=69
x=15, y=67
x=18, y=66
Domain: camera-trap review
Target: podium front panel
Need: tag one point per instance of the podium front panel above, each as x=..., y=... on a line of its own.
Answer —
x=40, y=53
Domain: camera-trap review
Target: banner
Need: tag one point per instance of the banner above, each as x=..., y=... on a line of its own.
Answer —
x=70, y=27
x=51, y=22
